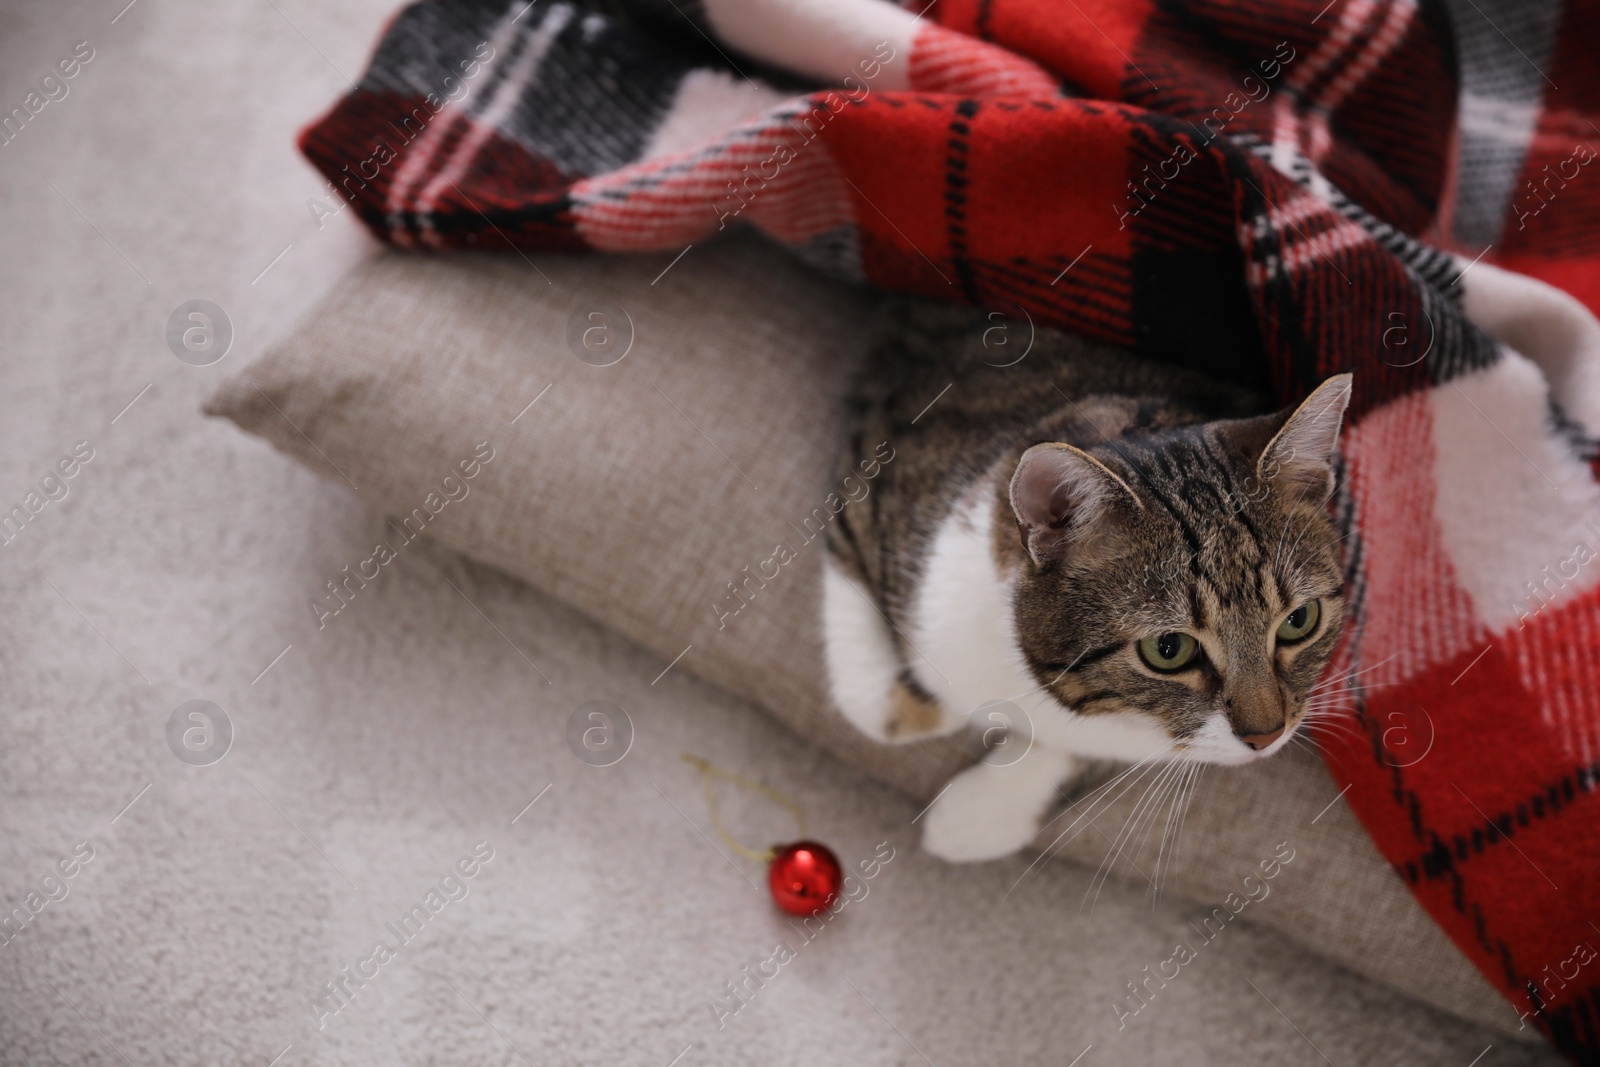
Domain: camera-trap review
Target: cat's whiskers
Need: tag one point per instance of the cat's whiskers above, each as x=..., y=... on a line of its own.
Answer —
x=1166, y=793
x=1330, y=710
x=1176, y=813
x=1344, y=708
x=1332, y=724
x=1321, y=740
x=1145, y=804
x=1162, y=795
x=1319, y=732
x=1194, y=791
x=1334, y=727
x=1099, y=791
x=1362, y=690
x=1325, y=718
x=1183, y=818
x=1089, y=803
x=1346, y=711
x=1119, y=842
x=1351, y=674
x=1166, y=831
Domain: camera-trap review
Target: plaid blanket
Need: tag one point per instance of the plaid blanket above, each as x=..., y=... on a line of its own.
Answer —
x=1267, y=190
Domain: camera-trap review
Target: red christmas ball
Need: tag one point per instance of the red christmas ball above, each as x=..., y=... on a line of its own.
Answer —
x=804, y=877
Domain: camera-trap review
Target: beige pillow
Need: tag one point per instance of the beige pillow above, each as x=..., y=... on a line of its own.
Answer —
x=636, y=491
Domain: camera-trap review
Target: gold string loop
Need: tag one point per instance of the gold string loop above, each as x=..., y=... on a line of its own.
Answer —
x=709, y=772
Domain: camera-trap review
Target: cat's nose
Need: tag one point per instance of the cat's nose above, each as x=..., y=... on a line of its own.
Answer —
x=1261, y=741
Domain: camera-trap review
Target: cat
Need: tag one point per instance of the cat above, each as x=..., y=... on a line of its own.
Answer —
x=1138, y=557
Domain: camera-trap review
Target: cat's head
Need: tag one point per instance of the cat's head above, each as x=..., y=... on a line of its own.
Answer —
x=1190, y=575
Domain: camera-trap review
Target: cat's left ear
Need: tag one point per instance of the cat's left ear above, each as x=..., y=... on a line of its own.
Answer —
x=1298, y=460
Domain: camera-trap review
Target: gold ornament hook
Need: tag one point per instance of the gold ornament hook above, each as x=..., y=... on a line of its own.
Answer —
x=709, y=772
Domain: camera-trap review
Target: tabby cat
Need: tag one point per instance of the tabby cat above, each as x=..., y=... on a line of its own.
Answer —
x=1138, y=557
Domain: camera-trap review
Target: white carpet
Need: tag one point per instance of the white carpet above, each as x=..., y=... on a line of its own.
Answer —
x=368, y=759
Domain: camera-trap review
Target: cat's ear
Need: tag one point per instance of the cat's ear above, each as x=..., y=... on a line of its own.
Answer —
x=1298, y=461
x=1062, y=495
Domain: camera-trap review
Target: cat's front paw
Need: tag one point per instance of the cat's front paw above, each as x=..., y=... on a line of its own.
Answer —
x=865, y=675
x=966, y=826
x=989, y=811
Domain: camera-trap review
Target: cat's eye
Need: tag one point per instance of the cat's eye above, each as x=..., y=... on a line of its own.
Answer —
x=1301, y=623
x=1169, y=652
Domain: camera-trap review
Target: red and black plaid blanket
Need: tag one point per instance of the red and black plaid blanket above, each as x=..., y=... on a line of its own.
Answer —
x=1269, y=190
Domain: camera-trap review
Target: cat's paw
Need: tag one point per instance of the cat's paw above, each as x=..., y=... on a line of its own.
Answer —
x=864, y=670
x=989, y=811
x=969, y=825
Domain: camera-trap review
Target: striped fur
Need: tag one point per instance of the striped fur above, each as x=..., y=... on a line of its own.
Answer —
x=1198, y=513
